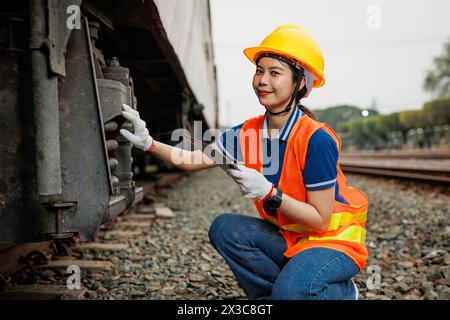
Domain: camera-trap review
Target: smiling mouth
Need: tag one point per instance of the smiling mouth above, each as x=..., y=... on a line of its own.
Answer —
x=263, y=93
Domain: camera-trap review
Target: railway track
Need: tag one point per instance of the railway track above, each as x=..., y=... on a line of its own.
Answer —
x=45, y=255
x=430, y=166
x=399, y=154
x=142, y=256
x=59, y=255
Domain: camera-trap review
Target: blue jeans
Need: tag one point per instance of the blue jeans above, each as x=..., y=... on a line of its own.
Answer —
x=253, y=249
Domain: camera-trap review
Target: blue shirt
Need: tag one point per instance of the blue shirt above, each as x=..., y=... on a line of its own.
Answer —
x=321, y=158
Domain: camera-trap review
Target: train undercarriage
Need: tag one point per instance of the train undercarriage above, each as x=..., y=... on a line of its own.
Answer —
x=64, y=75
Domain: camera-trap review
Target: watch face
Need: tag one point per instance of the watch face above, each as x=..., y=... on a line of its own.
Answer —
x=274, y=202
x=269, y=210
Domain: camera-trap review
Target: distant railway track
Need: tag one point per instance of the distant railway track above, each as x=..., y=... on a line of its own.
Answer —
x=430, y=166
x=399, y=154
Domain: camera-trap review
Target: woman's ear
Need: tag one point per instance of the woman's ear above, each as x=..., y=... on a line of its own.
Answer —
x=303, y=83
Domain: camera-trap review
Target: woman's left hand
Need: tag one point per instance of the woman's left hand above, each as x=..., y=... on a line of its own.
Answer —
x=252, y=183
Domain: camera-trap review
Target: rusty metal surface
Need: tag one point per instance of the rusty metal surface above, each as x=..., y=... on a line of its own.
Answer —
x=85, y=165
x=17, y=181
x=69, y=165
x=19, y=256
x=45, y=107
x=58, y=33
x=112, y=95
x=116, y=89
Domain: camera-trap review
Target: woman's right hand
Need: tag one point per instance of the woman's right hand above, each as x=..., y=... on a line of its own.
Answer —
x=141, y=137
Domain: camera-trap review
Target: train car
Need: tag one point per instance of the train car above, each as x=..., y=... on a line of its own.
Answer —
x=66, y=67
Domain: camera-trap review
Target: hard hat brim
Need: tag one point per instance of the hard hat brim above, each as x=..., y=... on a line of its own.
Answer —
x=252, y=54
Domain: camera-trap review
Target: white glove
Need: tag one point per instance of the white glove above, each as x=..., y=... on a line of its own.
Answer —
x=141, y=138
x=252, y=183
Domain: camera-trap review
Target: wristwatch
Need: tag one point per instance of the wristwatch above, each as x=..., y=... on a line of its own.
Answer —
x=271, y=204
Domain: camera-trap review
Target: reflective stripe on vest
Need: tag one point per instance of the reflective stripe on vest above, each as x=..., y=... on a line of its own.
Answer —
x=338, y=220
x=347, y=222
x=351, y=233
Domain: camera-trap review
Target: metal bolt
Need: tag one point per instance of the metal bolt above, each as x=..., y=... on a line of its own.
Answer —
x=114, y=62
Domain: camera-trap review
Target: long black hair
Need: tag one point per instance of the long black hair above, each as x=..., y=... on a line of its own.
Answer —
x=301, y=94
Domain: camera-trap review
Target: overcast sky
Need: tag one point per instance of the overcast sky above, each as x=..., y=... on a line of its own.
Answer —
x=363, y=63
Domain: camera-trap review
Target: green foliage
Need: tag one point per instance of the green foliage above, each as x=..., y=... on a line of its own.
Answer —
x=438, y=111
x=334, y=116
x=438, y=80
x=425, y=127
x=389, y=123
x=422, y=128
x=412, y=119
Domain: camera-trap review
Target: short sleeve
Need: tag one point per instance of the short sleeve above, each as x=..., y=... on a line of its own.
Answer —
x=321, y=162
x=229, y=144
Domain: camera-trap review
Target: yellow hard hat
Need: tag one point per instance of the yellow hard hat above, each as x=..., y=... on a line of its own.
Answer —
x=296, y=44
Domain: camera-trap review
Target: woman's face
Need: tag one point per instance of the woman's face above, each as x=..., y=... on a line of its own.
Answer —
x=273, y=83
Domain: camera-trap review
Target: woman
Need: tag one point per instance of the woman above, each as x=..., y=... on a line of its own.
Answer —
x=310, y=240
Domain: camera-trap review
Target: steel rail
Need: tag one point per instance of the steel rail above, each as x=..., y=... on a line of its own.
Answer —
x=421, y=173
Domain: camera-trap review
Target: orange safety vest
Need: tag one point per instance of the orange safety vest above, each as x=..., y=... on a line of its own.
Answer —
x=346, y=232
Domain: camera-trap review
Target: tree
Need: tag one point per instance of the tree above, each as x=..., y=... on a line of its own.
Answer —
x=412, y=119
x=438, y=80
x=438, y=111
x=389, y=123
x=334, y=116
